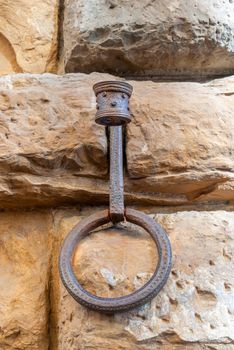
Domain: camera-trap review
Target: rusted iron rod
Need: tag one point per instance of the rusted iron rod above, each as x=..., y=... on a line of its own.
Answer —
x=116, y=205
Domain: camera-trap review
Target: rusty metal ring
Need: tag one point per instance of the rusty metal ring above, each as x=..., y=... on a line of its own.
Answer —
x=140, y=296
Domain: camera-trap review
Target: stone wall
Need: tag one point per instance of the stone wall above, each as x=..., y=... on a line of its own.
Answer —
x=144, y=38
x=194, y=310
x=179, y=156
x=28, y=36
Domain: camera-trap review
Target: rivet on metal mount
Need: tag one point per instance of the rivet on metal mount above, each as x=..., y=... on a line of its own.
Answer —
x=113, y=111
x=112, y=102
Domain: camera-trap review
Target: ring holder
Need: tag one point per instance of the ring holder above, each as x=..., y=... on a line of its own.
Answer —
x=113, y=111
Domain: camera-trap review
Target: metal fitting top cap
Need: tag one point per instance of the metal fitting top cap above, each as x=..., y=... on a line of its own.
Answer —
x=117, y=86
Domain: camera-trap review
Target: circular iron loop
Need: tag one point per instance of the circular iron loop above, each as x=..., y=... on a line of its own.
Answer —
x=140, y=296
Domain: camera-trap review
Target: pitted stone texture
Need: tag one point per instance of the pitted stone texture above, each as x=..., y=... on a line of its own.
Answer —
x=146, y=38
x=193, y=311
x=107, y=263
x=28, y=36
x=179, y=150
x=181, y=139
x=49, y=138
x=24, y=278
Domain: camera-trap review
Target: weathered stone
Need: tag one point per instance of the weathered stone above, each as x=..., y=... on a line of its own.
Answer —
x=193, y=311
x=49, y=138
x=147, y=38
x=182, y=139
x=106, y=269
x=24, y=278
x=28, y=36
x=179, y=149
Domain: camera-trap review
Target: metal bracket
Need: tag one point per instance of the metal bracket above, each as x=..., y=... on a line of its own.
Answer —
x=113, y=111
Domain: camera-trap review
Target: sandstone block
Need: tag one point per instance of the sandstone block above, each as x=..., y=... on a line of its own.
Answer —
x=179, y=149
x=193, y=311
x=28, y=36
x=51, y=136
x=182, y=139
x=149, y=38
x=24, y=279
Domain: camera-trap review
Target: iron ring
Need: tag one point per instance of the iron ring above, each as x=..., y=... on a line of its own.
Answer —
x=137, y=298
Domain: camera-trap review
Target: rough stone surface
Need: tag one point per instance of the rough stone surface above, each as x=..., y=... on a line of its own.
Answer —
x=195, y=308
x=28, y=36
x=179, y=149
x=24, y=278
x=49, y=138
x=106, y=269
x=146, y=38
x=182, y=139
